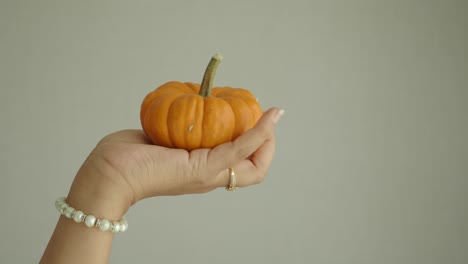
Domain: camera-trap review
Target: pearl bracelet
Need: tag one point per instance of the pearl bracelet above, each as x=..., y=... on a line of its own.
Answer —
x=90, y=220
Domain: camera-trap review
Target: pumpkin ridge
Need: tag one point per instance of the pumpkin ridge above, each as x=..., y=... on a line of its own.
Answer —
x=184, y=126
x=194, y=121
x=217, y=122
x=193, y=86
x=202, y=122
x=158, y=137
x=248, y=99
x=234, y=114
x=252, y=110
x=151, y=97
x=167, y=123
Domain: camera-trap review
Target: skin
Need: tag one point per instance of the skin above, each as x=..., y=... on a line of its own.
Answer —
x=125, y=168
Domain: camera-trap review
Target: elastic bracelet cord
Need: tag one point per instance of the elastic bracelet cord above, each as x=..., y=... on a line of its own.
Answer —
x=90, y=220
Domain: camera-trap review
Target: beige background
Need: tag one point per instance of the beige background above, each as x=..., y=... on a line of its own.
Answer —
x=372, y=157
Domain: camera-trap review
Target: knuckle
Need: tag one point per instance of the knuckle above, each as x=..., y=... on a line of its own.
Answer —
x=108, y=138
x=241, y=152
x=196, y=174
x=200, y=175
x=201, y=180
x=260, y=178
x=264, y=131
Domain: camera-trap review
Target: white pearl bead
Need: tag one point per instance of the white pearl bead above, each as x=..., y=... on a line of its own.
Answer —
x=117, y=227
x=104, y=225
x=62, y=207
x=60, y=200
x=68, y=212
x=124, y=226
x=77, y=216
x=90, y=220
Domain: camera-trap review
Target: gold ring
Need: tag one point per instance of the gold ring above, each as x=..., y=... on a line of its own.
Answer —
x=232, y=180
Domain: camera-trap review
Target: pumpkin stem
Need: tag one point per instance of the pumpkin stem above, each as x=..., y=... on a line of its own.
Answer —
x=207, y=82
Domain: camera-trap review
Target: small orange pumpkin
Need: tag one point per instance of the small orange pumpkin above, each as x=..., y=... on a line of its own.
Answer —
x=190, y=116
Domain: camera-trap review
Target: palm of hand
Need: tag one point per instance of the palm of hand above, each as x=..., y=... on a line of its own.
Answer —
x=151, y=170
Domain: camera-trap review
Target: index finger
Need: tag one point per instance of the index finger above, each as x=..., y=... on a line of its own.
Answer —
x=231, y=153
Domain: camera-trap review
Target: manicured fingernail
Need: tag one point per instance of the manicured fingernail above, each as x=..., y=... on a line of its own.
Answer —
x=278, y=116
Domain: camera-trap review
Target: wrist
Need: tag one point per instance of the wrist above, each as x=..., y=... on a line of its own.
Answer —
x=93, y=191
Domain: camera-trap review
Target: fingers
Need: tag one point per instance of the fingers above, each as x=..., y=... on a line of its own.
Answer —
x=253, y=170
x=245, y=172
x=231, y=153
x=250, y=155
x=263, y=156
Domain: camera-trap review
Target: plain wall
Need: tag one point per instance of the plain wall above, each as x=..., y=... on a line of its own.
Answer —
x=372, y=153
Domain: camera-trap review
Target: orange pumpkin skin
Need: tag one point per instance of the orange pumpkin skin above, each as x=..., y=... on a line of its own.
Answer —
x=175, y=115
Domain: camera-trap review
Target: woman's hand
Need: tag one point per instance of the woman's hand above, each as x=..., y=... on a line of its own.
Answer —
x=125, y=168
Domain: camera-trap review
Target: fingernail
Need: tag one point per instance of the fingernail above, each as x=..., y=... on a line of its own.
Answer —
x=278, y=116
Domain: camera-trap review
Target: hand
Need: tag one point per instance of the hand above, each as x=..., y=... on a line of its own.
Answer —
x=125, y=167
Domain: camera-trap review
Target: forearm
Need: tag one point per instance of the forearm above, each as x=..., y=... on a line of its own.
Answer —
x=74, y=242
